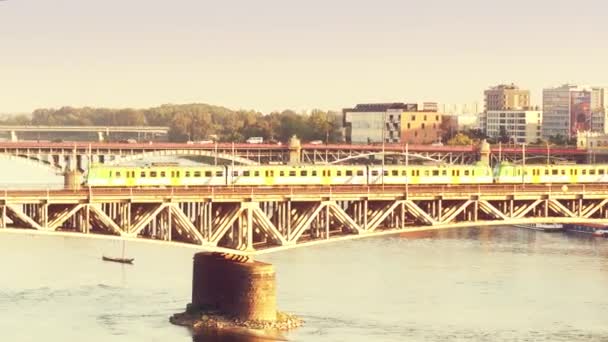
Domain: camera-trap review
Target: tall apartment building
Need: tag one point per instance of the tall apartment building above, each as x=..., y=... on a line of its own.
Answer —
x=392, y=123
x=506, y=97
x=571, y=108
x=520, y=126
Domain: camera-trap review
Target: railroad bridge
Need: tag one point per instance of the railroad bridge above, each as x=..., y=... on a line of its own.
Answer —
x=257, y=220
x=71, y=156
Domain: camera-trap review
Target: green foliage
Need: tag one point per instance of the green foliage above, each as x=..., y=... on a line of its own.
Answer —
x=198, y=121
x=460, y=139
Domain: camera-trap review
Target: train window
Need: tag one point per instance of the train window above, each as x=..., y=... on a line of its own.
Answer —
x=444, y=172
x=267, y=173
x=435, y=172
x=292, y=173
x=196, y=174
x=117, y=173
x=177, y=174
x=235, y=173
x=271, y=173
x=338, y=173
x=591, y=172
x=466, y=172
x=426, y=172
x=395, y=173
x=246, y=173
x=313, y=173
x=554, y=172
x=601, y=171
x=374, y=173
x=385, y=173
x=359, y=172
x=110, y=174
x=256, y=173
x=584, y=172
x=403, y=172
x=152, y=173
x=282, y=173
x=349, y=173
x=563, y=172
x=186, y=174
x=163, y=174
x=546, y=172
x=208, y=174
x=219, y=173
x=142, y=174
x=303, y=173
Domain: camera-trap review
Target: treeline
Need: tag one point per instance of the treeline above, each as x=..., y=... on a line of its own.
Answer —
x=197, y=122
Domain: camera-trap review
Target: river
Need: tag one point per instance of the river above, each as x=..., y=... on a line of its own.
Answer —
x=474, y=284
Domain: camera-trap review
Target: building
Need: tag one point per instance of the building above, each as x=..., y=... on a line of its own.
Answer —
x=569, y=109
x=520, y=126
x=506, y=97
x=392, y=123
x=591, y=140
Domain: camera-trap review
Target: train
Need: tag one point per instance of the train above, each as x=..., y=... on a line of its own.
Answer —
x=175, y=175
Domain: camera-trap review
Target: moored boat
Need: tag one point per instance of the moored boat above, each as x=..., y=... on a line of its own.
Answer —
x=545, y=227
x=588, y=228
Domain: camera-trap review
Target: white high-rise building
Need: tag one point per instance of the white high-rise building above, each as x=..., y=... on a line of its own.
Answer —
x=520, y=126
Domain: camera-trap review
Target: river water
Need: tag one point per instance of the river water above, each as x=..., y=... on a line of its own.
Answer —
x=475, y=284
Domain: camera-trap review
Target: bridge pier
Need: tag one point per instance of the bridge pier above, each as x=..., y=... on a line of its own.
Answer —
x=235, y=286
x=72, y=179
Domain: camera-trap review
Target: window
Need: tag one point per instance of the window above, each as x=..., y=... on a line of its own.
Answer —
x=196, y=174
x=359, y=172
x=256, y=173
x=584, y=172
x=235, y=173
x=349, y=173
x=592, y=172
x=413, y=117
x=385, y=173
x=163, y=174
x=563, y=172
x=304, y=173
x=422, y=126
x=466, y=172
x=395, y=173
x=554, y=172
x=424, y=118
x=219, y=174
x=338, y=173
x=444, y=172
x=208, y=174
x=177, y=174
x=435, y=172
x=142, y=174
x=117, y=173
x=152, y=173
x=601, y=171
x=313, y=173
x=292, y=173
x=546, y=172
x=245, y=173
x=374, y=173
x=426, y=172
x=282, y=173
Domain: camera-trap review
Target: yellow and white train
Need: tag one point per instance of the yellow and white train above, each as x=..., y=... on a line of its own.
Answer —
x=158, y=175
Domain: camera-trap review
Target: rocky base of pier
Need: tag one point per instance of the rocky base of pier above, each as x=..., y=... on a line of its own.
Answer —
x=214, y=321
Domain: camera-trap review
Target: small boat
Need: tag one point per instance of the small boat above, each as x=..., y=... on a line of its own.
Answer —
x=544, y=227
x=120, y=260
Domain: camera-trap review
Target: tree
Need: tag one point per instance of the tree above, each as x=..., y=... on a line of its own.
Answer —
x=460, y=139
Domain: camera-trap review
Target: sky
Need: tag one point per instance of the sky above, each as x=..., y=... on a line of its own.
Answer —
x=276, y=54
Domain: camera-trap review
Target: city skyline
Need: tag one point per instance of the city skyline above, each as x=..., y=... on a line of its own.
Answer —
x=298, y=56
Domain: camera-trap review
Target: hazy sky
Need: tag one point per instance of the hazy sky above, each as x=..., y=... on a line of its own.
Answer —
x=275, y=54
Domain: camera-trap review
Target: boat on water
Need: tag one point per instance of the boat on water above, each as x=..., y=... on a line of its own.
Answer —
x=588, y=228
x=119, y=260
x=544, y=227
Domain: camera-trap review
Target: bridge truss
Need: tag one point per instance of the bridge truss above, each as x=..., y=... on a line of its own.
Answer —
x=257, y=220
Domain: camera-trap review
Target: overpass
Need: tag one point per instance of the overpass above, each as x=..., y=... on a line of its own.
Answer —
x=259, y=220
x=102, y=131
x=77, y=155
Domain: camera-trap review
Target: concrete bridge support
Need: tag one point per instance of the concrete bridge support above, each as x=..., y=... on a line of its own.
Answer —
x=235, y=286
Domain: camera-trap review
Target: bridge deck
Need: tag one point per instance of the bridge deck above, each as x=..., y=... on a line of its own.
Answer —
x=254, y=220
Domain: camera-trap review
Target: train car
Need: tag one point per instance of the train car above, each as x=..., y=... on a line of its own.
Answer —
x=271, y=175
x=430, y=174
x=155, y=175
x=543, y=174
